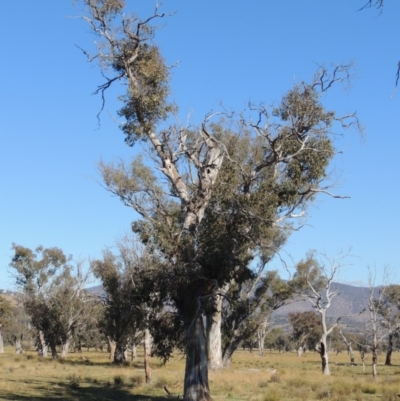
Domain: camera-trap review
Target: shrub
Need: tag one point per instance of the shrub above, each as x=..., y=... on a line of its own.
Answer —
x=119, y=380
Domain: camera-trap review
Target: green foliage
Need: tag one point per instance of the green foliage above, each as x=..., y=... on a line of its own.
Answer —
x=145, y=104
x=51, y=296
x=306, y=328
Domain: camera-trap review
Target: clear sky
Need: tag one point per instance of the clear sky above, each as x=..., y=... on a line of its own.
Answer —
x=229, y=51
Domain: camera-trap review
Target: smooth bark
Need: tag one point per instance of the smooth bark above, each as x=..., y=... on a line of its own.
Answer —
x=214, y=342
x=196, y=386
x=111, y=346
x=42, y=346
x=65, y=348
x=147, y=355
x=133, y=353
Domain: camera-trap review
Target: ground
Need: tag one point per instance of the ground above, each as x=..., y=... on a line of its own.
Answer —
x=272, y=377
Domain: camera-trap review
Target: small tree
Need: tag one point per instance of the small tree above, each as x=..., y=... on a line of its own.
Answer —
x=52, y=297
x=6, y=313
x=130, y=299
x=318, y=276
x=377, y=328
x=306, y=330
x=389, y=311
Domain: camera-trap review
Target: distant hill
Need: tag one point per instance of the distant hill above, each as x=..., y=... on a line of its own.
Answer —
x=351, y=300
x=96, y=290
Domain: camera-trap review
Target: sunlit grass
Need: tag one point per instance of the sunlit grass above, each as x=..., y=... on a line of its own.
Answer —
x=274, y=376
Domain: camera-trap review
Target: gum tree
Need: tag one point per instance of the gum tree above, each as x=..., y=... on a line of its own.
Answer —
x=51, y=295
x=273, y=179
x=319, y=279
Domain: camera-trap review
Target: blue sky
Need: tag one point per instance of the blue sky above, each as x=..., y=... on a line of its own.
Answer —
x=232, y=52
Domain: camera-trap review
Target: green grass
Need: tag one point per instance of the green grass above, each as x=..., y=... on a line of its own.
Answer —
x=250, y=378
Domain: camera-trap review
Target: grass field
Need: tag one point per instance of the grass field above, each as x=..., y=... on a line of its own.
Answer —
x=250, y=377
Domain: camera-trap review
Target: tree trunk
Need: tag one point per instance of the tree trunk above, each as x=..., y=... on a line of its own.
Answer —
x=1, y=340
x=133, y=354
x=42, y=346
x=65, y=348
x=18, y=345
x=362, y=356
x=374, y=363
x=300, y=351
x=147, y=355
x=196, y=372
x=388, y=360
x=261, y=334
x=111, y=345
x=54, y=353
x=231, y=347
x=349, y=348
x=119, y=353
x=214, y=343
x=323, y=352
x=351, y=354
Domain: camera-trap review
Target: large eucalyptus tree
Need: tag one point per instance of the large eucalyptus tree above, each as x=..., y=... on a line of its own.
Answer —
x=211, y=199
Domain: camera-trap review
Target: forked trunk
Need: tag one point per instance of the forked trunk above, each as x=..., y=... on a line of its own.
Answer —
x=147, y=355
x=1, y=340
x=196, y=372
x=214, y=343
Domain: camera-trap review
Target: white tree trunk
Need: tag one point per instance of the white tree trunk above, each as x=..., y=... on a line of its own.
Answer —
x=147, y=355
x=1, y=340
x=18, y=344
x=261, y=334
x=111, y=345
x=42, y=346
x=323, y=352
x=65, y=348
x=196, y=372
x=300, y=351
x=214, y=342
x=133, y=354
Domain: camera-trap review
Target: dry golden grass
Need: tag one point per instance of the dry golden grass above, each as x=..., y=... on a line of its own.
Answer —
x=250, y=377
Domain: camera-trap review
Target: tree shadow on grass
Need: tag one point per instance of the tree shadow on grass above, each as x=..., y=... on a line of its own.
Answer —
x=72, y=390
x=77, y=393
